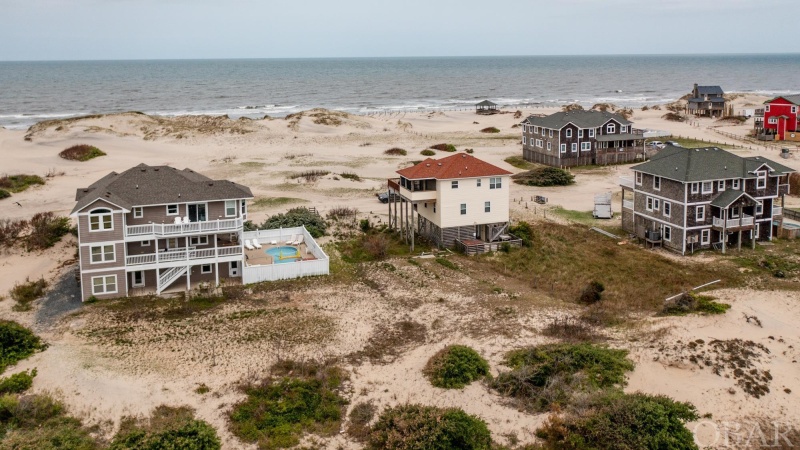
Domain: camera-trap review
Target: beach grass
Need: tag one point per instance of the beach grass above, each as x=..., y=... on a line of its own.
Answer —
x=81, y=152
x=520, y=163
x=274, y=202
x=695, y=143
x=19, y=182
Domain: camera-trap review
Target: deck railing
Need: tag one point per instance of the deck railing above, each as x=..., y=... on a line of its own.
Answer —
x=744, y=221
x=626, y=181
x=272, y=272
x=170, y=229
x=185, y=254
x=627, y=204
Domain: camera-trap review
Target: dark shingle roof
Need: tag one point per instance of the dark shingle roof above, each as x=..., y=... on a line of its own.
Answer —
x=486, y=103
x=795, y=98
x=710, y=90
x=726, y=198
x=156, y=185
x=581, y=119
x=707, y=163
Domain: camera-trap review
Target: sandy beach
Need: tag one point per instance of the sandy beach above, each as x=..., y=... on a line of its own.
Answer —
x=101, y=381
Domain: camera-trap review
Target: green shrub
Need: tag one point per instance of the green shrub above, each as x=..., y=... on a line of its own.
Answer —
x=490, y=130
x=544, y=176
x=17, y=383
x=296, y=217
x=524, y=231
x=27, y=292
x=46, y=229
x=4, y=194
x=167, y=428
x=455, y=366
x=593, y=293
x=427, y=152
x=16, y=343
x=19, y=182
x=691, y=303
x=618, y=421
x=447, y=263
x=350, y=176
x=81, y=152
x=550, y=374
x=40, y=422
x=444, y=147
x=360, y=417
x=428, y=427
x=278, y=410
x=396, y=152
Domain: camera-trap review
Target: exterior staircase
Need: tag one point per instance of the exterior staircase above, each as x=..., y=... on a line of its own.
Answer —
x=165, y=279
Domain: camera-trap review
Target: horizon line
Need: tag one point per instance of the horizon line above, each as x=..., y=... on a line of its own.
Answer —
x=396, y=57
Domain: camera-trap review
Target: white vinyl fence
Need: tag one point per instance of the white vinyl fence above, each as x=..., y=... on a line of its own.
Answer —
x=286, y=271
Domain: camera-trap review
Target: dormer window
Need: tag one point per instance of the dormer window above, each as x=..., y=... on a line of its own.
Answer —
x=639, y=178
x=735, y=184
x=761, y=180
x=611, y=128
x=657, y=183
x=591, y=132
x=569, y=133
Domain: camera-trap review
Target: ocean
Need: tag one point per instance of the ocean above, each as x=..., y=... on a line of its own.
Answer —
x=35, y=91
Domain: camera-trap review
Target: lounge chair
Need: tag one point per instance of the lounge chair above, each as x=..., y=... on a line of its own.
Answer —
x=186, y=219
x=256, y=244
x=291, y=240
x=177, y=221
x=299, y=240
x=248, y=245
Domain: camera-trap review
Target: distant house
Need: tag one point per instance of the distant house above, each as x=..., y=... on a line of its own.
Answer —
x=578, y=138
x=486, y=107
x=691, y=198
x=779, y=120
x=459, y=200
x=706, y=101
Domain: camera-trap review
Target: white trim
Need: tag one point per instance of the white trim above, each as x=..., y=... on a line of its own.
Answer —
x=707, y=232
x=639, y=177
x=225, y=205
x=463, y=209
x=591, y=132
x=105, y=283
x=203, y=269
x=736, y=184
x=695, y=187
x=721, y=185
x=144, y=243
x=487, y=207
x=201, y=240
x=574, y=147
x=703, y=187
x=133, y=279
x=562, y=148
x=89, y=244
x=568, y=132
x=101, y=222
x=697, y=214
x=138, y=212
x=656, y=178
x=103, y=254
x=177, y=209
x=666, y=229
x=666, y=206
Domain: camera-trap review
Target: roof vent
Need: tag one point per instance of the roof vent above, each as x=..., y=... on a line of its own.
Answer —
x=179, y=194
x=428, y=165
x=143, y=169
x=156, y=169
x=463, y=155
x=440, y=164
x=137, y=186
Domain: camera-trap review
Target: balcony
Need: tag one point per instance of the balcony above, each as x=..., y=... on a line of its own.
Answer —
x=777, y=211
x=759, y=112
x=183, y=255
x=627, y=204
x=155, y=230
x=626, y=182
x=733, y=224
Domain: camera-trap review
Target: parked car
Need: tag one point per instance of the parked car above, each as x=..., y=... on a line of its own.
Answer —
x=657, y=144
x=674, y=144
x=383, y=197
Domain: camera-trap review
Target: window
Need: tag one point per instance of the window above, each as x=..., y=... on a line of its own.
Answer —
x=766, y=108
x=244, y=208
x=667, y=233
x=539, y=143
x=735, y=212
x=656, y=204
x=695, y=188
x=101, y=220
x=104, y=285
x=586, y=146
x=145, y=243
x=639, y=178
x=756, y=232
x=580, y=133
x=721, y=185
x=524, y=140
x=657, y=183
x=454, y=185
x=198, y=240
x=463, y=209
x=102, y=254
x=563, y=148
x=574, y=147
x=569, y=133
x=478, y=182
x=549, y=146
x=495, y=183
x=759, y=208
x=137, y=278
x=172, y=210
x=611, y=128
x=230, y=208
x=667, y=209
x=700, y=213
x=535, y=130
x=773, y=120
x=205, y=268
x=705, y=237
x=487, y=207
x=172, y=243
x=138, y=212
x=708, y=187
x=550, y=133
x=591, y=132
x=623, y=129
x=794, y=109
x=735, y=184
x=761, y=181
x=649, y=206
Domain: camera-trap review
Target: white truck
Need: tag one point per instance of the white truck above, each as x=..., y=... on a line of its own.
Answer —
x=602, y=206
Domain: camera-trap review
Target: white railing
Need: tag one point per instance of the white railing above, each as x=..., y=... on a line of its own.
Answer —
x=627, y=204
x=175, y=229
x=166, y=278
x=777, y=211
x=187, y=254
x=744, y=221
x=286, y=271
x=626, y=181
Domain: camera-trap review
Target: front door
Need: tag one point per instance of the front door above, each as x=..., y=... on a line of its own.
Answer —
x=197, y=212
x=234, y=270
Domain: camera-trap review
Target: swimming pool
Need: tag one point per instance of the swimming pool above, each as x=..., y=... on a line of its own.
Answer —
x=284, y=254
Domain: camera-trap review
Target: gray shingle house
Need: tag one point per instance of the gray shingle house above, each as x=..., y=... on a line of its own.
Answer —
x=708, y=101
x=150, y=227
x=578, y=138
x=690, y=198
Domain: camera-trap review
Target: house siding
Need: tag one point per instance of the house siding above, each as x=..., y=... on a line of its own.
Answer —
x=86, y=283
x=449, y=206
x=87, y=236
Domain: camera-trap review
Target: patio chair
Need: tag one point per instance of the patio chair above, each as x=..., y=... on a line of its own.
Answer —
x=248, y=245
x=256, y=244
x=291, y=240
x=177, y=221
x=186, y=219
x=299, y=240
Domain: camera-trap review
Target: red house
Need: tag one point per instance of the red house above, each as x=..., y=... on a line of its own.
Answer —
x=780, y=119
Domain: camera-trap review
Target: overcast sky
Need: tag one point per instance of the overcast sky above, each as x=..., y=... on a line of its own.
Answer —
x=157, y=29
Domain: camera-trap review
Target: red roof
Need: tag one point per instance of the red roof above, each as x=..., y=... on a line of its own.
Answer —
x=460, y=165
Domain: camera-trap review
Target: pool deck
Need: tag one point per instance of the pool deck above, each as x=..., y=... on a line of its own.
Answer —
x=259, y=257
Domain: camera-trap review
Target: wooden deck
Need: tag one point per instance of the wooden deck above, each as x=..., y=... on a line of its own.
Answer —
x=259, y=257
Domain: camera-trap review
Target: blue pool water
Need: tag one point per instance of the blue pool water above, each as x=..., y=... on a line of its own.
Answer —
x=284, y=254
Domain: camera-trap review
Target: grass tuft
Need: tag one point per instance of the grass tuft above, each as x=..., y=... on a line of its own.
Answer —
x=20, y=182
x=81, y=152
x=395, y=151
x=544, y=176
x=455, y=366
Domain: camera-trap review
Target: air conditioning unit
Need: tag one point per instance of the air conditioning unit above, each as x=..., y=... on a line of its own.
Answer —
x=652, y=235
